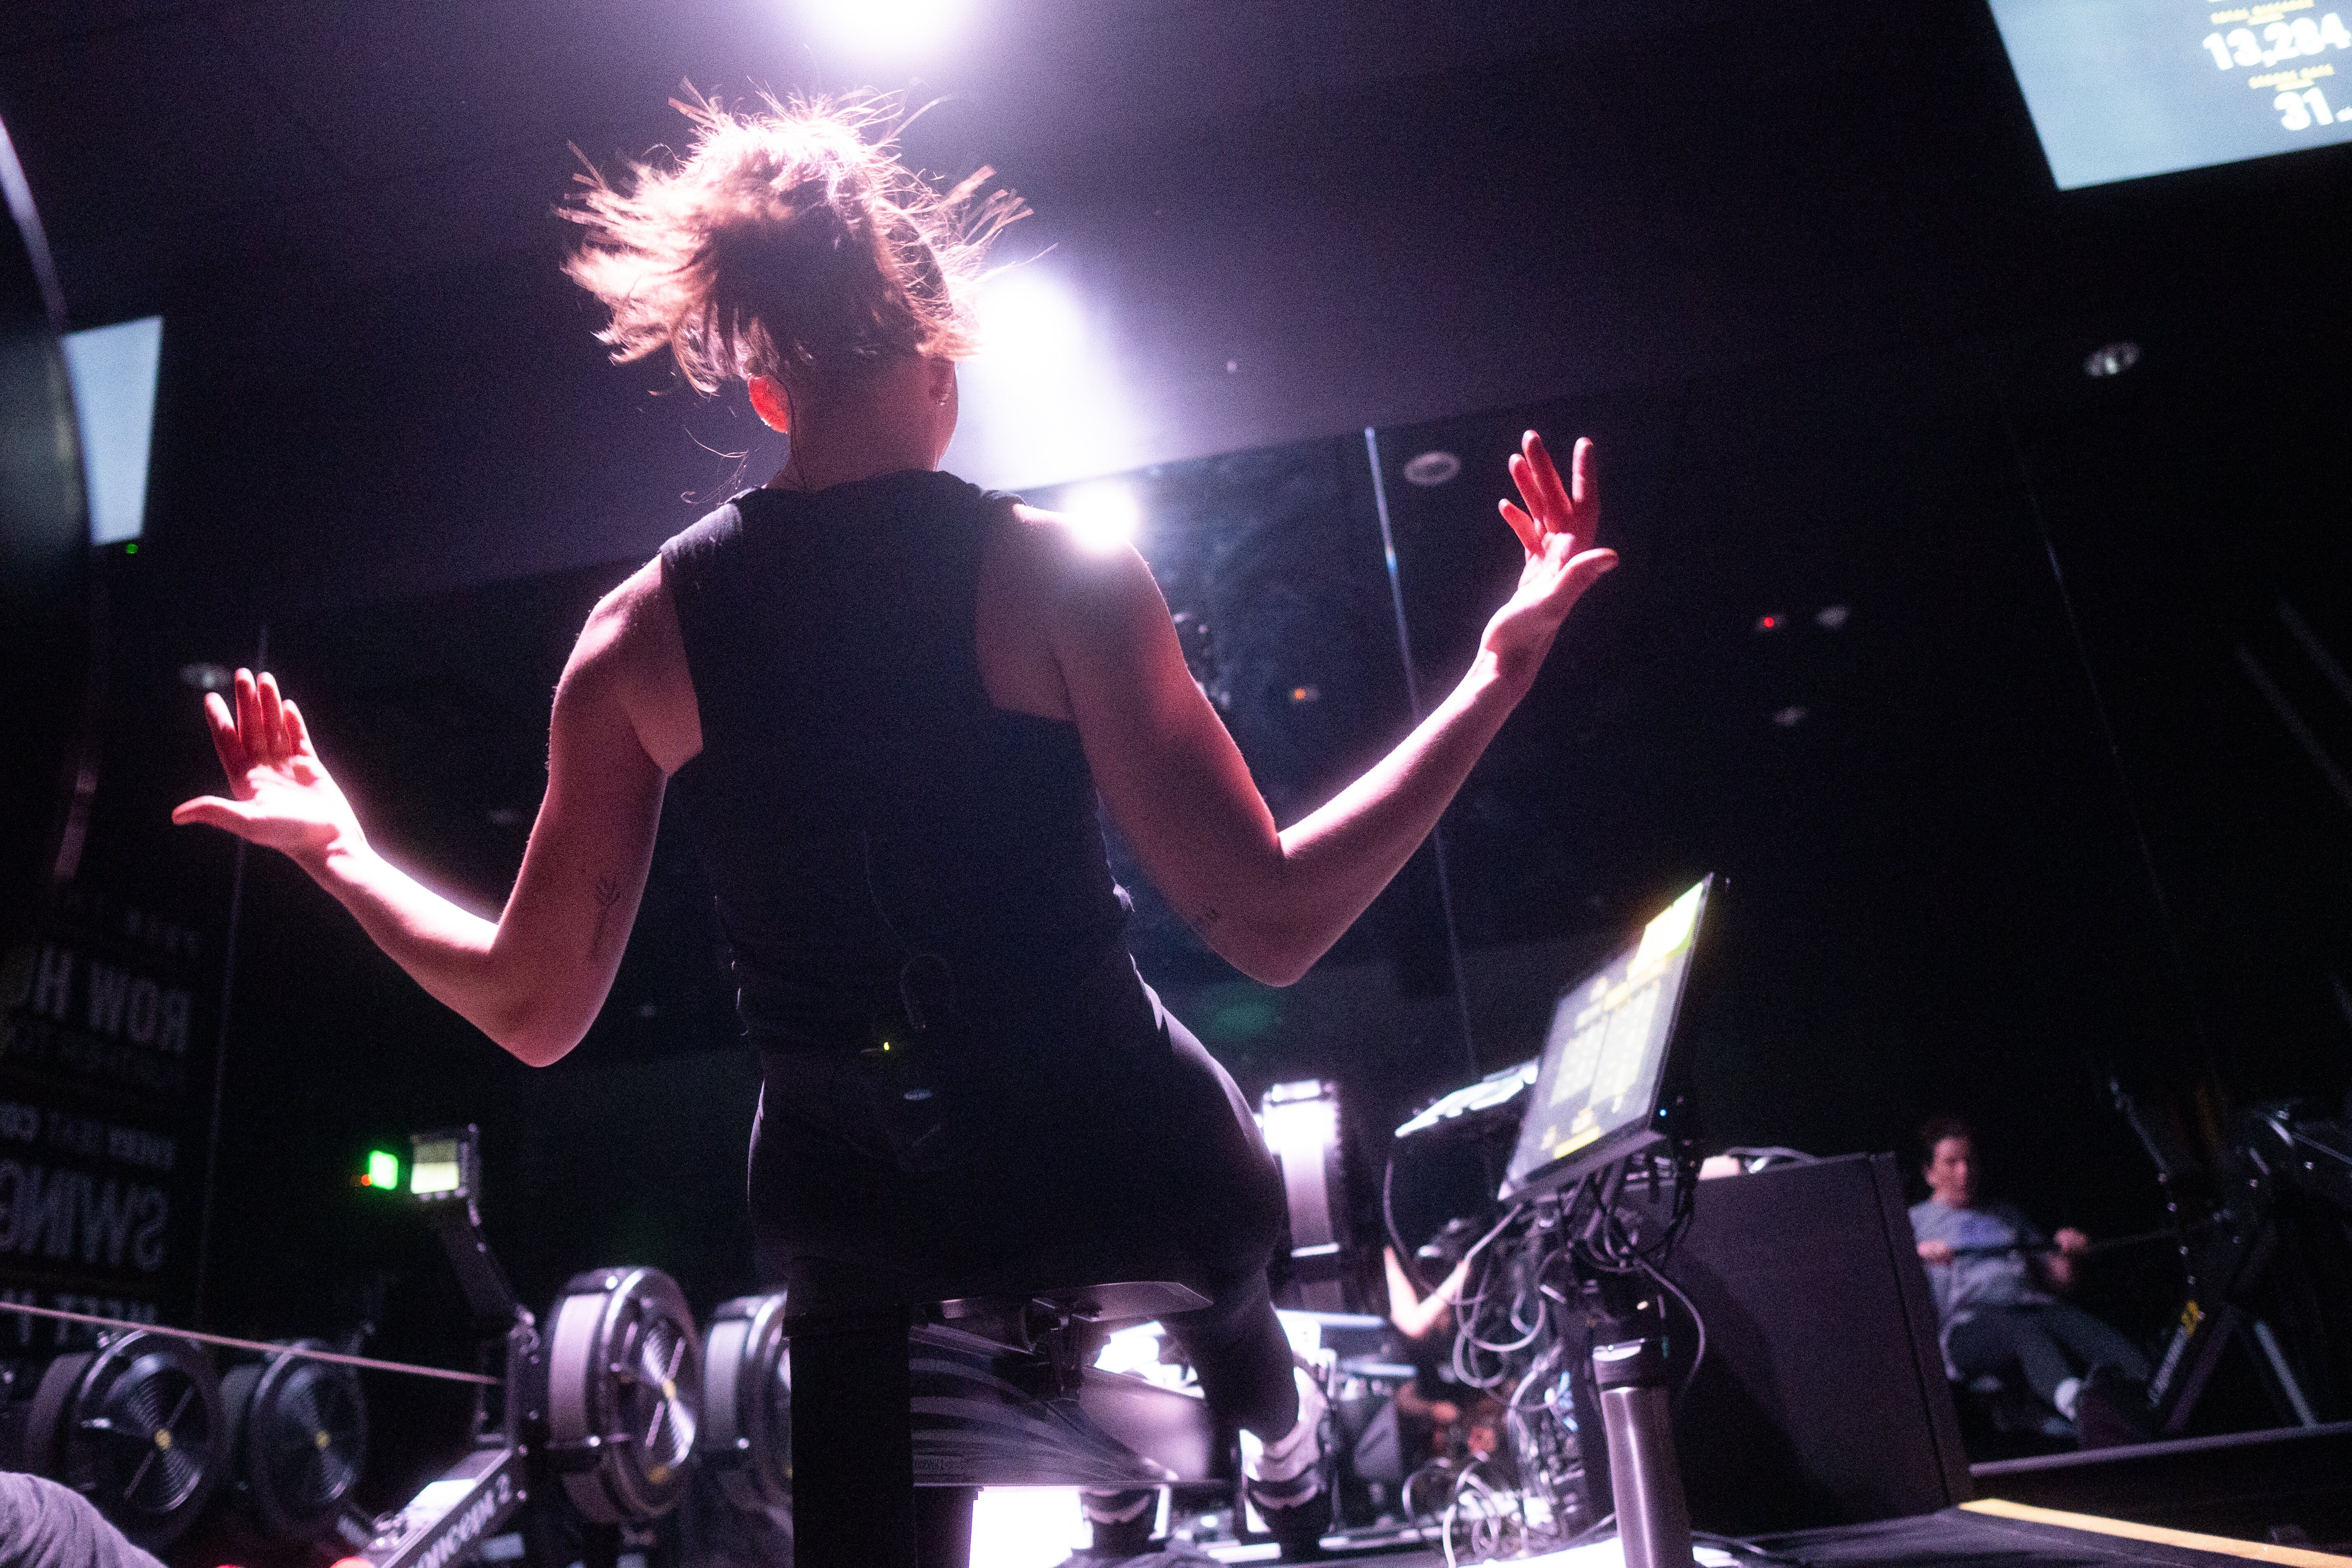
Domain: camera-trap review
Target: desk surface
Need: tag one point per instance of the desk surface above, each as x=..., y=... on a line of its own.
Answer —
x=1985, y=1534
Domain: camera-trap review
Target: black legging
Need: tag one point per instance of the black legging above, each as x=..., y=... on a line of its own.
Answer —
x=1119, y=1151
x=2048, y=1343
x=854, y=1494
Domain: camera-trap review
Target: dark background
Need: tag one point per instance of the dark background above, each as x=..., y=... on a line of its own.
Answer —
x=1801, y=273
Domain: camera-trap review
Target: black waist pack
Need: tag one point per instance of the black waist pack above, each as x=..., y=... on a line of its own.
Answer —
x=920, y=1075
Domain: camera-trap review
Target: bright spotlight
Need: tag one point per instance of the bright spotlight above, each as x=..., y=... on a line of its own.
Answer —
x=1027, y=1527
x=1105, y=514
x=1046, y=399
x=887, y=27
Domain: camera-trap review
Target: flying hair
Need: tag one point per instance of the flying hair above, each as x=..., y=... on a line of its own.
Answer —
x=789, y=241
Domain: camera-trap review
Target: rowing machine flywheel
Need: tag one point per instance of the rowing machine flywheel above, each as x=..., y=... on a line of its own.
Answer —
x=747, y=1403
x=625, y=1384
x=135, y=1426
x=297, y=1439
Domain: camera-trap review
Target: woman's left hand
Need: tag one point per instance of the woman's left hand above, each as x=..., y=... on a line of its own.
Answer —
x=1557, y=527
x=282, y=796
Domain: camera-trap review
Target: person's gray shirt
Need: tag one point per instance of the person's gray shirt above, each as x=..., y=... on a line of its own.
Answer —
x=45, y=1525
x=1966, y=1285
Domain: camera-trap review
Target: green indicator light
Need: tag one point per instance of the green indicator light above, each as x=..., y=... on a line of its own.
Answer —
x=383, y=1170
x=131, y=549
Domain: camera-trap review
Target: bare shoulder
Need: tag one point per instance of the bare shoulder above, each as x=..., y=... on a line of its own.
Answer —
x=624, y=630
x=631, y=653
x=1080, y=573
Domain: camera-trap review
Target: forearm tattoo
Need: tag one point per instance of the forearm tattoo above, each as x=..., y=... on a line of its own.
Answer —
x=608, y=893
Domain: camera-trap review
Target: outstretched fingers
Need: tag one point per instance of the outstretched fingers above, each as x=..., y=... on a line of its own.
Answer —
x=273, y=719
x=298, y=733
x=1553, y=500
x=222, y=725
x=1589, y=567
x=212, y=811
x=1531, y=532
x=248, y=716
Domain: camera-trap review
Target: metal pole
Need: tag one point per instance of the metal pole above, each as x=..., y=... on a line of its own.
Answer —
x=1412, y=696
x=220, y=1047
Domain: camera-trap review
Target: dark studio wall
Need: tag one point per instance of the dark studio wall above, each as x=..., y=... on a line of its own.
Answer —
x=1802, y=277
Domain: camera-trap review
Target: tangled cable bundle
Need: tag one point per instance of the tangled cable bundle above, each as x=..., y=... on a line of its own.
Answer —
x=1516, y=1338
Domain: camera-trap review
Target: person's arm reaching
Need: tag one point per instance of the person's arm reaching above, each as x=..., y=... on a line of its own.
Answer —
x=1272, y=901
x=534, y=980
x=1415, y=1315
x=2058, y=1266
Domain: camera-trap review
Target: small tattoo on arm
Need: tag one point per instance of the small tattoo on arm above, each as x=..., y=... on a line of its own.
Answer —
x=608, y=893
x=1202, y=920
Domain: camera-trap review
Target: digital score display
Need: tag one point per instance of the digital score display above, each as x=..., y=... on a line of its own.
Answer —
x=1604, y=1058
x=2123, y=88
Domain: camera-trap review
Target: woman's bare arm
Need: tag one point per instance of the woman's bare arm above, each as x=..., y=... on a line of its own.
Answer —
x=535, y=979
x=1269, y=900
x=1415, y=1315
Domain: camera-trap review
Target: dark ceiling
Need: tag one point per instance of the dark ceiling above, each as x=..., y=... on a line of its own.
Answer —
x=364, y=139
x=1280, y=220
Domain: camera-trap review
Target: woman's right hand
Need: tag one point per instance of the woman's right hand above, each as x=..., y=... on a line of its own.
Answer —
x=1935, y=1252
x=282, y=797
x=1557, y=527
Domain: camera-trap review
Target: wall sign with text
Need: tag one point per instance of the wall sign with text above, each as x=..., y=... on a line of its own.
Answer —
x=103, y=1084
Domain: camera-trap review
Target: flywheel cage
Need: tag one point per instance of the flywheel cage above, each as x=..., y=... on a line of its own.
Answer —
x=136, y=1427
x=747, y=1401
x=625, y=1387
x=298, y=1432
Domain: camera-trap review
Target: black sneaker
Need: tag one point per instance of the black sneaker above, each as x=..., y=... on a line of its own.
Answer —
x=1121, y=1521
x=2112, y=1410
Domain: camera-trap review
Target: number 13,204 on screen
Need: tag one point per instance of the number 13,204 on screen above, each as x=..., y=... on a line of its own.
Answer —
x=2297, y=110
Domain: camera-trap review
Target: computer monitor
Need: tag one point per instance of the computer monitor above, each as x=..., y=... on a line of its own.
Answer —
x=2123, y=88
x=1599, y=1091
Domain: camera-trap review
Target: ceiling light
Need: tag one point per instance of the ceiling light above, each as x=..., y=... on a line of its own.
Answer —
x=1047, y=398
x=1432, y=468
x=2113, y=359
x=887, y=27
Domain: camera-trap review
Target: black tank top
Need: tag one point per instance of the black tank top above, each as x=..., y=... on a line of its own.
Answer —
x=857, y=799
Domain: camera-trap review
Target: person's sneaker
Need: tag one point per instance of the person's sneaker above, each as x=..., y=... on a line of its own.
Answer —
x=2112, y=1410
x=1167, y=1554
x=1121, y=1521
x=1285, y=1478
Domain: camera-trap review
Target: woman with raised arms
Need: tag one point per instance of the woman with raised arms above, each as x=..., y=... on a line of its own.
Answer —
x=889, y=701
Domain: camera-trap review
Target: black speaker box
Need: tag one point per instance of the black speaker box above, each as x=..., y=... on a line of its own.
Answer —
x=1823, y=1399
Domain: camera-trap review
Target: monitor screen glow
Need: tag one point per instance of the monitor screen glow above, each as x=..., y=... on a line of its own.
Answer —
x=113, y=372
x=2123, y=88
x=437, y=1168
x=1604, y=1058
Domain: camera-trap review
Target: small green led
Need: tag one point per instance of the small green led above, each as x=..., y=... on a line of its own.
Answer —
x=383, y=1170
x=132, y=548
